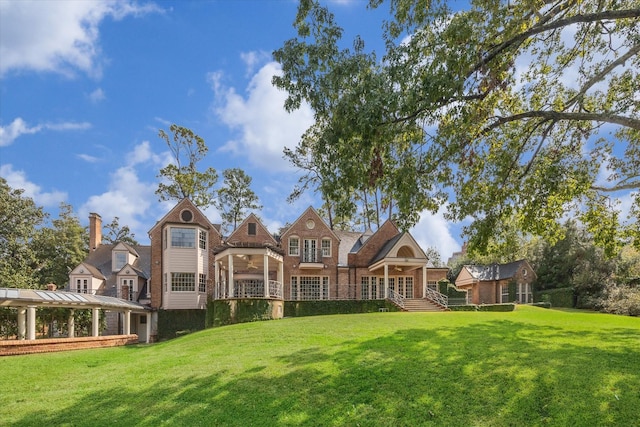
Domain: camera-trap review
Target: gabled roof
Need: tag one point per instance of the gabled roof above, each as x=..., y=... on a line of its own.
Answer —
x=99, y=264
x=387, y=248
x=312, y=211
x=252, y=218
x=125, y=246
x=348, y=240
x=495, y=271
x=184, y=204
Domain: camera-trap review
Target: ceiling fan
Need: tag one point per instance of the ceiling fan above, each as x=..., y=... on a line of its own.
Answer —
x=250, y=264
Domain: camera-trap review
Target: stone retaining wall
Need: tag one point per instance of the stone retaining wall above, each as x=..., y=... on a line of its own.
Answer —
x=15, y=347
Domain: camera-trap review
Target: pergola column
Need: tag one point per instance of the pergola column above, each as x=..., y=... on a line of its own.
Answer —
x=71, y=324
x=266, y=275
x=31, y=322
x=127, y=322
x=95, y=322
x=22, y=323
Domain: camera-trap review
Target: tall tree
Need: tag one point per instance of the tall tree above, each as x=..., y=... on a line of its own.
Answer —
x=60, y=247
x=20, y=219
x=235, y=197
x=116, y=233
x=182, y=179
x=515, y=108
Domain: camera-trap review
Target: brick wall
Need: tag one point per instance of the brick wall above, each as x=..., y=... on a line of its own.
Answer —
x=15, y=347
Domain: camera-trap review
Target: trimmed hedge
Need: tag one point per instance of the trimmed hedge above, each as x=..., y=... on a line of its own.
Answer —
x=173, y=323
x=542, y=304
x=318, y=308
x=227, y=312
x=447, y=288
x=560, y=297
x=484, y=307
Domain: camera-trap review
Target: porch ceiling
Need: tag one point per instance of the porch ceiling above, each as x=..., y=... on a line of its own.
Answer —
x=10, y=297
x=398, y=265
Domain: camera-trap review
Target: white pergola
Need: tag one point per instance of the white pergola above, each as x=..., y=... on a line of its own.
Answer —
x=28, y=300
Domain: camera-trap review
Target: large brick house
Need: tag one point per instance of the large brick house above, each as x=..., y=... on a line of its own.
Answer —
x=190, y=262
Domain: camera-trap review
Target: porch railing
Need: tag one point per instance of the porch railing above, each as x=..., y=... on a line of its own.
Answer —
x=396, y=298
x=249, y=289
x=437, y=297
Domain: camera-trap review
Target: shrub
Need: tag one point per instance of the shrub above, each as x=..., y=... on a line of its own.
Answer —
x=172, y=323
x=483, y=307
x=560, y=297
x=543, y=304
x=621, y=300
x=317, y=308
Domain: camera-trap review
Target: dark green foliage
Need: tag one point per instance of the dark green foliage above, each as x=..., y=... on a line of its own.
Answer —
x=542, y=304
x=220, y=312
x=512, y=290
x=318, y=308
x=8, y=322
x=484, y=307
x=449, y=289
x=561, y=297
x=171, y=323
x=252, y=310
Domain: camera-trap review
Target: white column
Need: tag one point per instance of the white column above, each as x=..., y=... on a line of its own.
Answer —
x=424, y=281
x=71, y=324
x=386, y=281
x=22, y=323
x=148, y=327
x=31, y=322
x=127, y=322
x=281, y=277
x=95, y=322
x=216, y=279
x=266, y=275
x=230, y=284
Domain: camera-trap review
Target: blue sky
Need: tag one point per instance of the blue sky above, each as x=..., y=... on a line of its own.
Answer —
x=86, y=85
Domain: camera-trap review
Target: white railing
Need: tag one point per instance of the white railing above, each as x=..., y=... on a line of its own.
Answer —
x=249, y=289
x=396, y=298
x=437, y=297
x=275, y=289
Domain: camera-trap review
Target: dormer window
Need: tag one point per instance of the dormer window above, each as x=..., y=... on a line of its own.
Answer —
x=121, y=260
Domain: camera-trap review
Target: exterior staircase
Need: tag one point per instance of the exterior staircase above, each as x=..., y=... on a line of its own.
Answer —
x=421, y=304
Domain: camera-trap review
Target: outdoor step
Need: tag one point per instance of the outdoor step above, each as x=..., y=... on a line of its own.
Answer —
x=421, y=305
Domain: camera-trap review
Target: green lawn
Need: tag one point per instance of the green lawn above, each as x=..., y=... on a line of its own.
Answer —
x=528, y=367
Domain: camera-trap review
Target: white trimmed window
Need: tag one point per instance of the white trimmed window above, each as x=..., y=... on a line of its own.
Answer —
x=183, y=282
x=294, y=246
x=369, y=287
x=326, y=247
x=310, y=250
x=202, y=239
x=505, y=293
x=309, y=287
x=183, y=237
x=202, y=283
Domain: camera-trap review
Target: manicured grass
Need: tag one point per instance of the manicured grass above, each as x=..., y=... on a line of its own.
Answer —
x=529, y=367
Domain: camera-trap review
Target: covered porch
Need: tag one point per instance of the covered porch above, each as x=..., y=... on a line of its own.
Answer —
x=250, y=271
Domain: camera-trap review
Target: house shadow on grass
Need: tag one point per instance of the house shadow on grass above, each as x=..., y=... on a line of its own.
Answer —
x=497, y=373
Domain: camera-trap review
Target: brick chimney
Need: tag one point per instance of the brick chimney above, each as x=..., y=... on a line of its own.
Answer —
x=95, y=231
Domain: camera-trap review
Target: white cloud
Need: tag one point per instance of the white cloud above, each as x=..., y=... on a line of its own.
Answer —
x=434, y=231
x=19, y=127
x=18, y=180
x=264, y=127
x=97, y=96
x=253, y=59
x=58, y=36
x=88, y=158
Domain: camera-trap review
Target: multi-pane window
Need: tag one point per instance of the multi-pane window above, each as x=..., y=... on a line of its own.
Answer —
x=369, y=287
x=309, y=251
x=121, y=260
x=183, y=237
x=183, y=282
x=505, y=293
x=202, y=239
x=433, y=285
x=294, y=246
x=202, y=283
x=82, y=286
x=405, y=286
x=326, y=247
x=130, y=290
x=309, y=287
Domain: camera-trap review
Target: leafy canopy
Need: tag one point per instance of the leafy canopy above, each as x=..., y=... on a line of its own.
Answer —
x=516, y=112
x=182, y=179
x=235, y=197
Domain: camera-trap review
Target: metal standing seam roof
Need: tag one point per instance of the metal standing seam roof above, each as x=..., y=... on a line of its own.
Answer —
x=10, y=297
